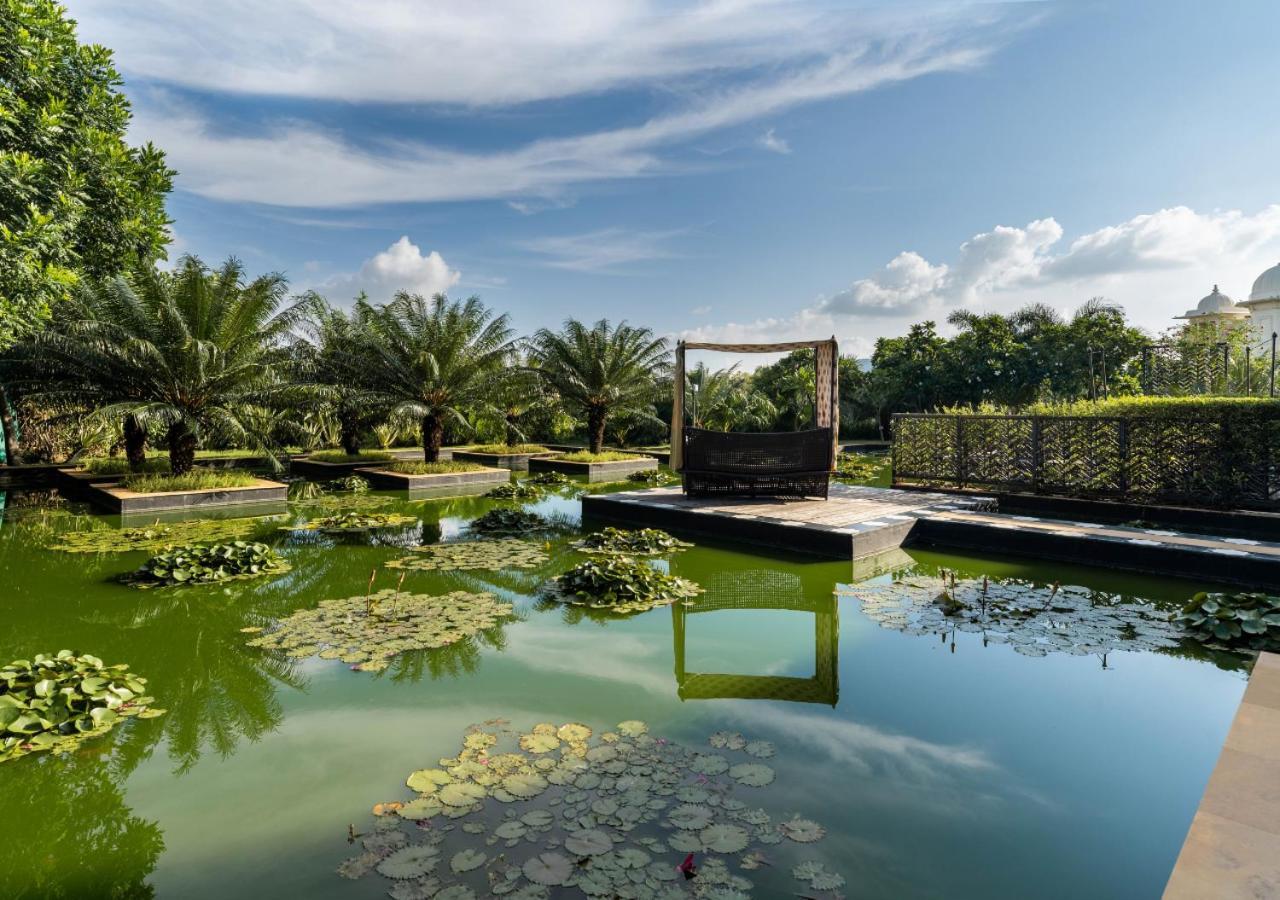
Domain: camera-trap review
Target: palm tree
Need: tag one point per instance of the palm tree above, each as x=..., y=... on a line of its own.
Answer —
x=195, y=352
x=725, y=401
x=433, y=360
x=601, y=370
x=324, y=359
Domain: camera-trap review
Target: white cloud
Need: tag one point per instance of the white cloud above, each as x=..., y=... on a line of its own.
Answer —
x=605, y=250
x=771, y=142
x=1155, y=264
x=291, y=162
x=401, y=267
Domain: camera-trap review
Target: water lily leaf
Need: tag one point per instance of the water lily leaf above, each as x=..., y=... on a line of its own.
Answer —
x=752, y=774
x=723, y=839
x=759, y=749
x=632, y=728
x=425, y=781
x=803, y=831
x=466, y=860
x=539, y=743
x=464, y=794
x=551, y=869
x=410, y=862
x=691, y=816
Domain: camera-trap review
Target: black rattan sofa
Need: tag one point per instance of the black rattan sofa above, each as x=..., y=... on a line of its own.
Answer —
x=774, y=464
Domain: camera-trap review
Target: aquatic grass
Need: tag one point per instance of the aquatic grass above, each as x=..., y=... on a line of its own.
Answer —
x=195, y=480
x=442, y=467
x=586, y=456
x=118, y=465
x=340, y=456
x=508, y=449
x=54, y=703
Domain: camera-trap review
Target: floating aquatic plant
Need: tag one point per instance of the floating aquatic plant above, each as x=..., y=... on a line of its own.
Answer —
x=349, y=522
x=1036, y=620
x=208, y=563
x=652, y=476
x=503, y=520
x=641, y=542
x=55, y=702
x=549, y=479
x=368, y=631
x=154, y=537
x=504, y=553
x=620, y=584
x=1233, y=621
x=855, y=467
x=515, y=490
x=619, y=814
x=353, y=483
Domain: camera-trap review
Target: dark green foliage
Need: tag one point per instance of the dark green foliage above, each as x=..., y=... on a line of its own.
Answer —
x=515, y=490
x=208, y=563
x=348, y=522
x=859, y=468
x=549, y=478
x=641, y=542
x=509, y=521
x=55, y=702
x=1233, y=621
x=652, y=476
x=75, y=199
x=622, y=584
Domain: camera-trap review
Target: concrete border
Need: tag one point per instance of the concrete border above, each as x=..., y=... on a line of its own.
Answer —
x=613, y=470
x=516, y=462
x=126, y=502
x=399, y=481
x=315, y=468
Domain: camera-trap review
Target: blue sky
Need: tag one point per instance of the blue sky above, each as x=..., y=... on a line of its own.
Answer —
x=726, y=169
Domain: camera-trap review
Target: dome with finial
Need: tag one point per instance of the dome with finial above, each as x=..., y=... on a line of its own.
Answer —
x=1215, y=303
x=1267, y=287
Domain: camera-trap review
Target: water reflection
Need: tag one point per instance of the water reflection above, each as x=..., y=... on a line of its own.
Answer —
x=762, y=589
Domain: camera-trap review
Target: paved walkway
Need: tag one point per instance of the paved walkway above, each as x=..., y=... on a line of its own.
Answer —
x=1233, y=848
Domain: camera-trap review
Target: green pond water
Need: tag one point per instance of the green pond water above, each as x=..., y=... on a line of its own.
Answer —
x=939, y=765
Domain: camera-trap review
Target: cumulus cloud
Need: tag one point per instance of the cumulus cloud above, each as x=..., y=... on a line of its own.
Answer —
x=401, y=267
x=1156, y=264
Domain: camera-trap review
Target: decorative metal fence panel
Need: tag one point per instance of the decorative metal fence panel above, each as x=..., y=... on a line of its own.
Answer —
x=1192, y=461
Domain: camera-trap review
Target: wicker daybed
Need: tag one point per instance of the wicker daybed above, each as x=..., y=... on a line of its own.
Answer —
x=773, y=464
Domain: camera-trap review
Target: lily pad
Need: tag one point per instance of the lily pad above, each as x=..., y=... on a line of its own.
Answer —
x=410, y=862
x=505, y=553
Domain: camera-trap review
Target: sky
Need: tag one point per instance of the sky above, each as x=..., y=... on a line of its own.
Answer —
x=719, y=170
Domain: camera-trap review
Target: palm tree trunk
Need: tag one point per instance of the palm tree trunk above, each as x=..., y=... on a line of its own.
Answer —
x=432, y=437
x=135, y=442
x=349, y=434
x=513, y=433
x=9, y=424
x=596, y=417
x=182, y=448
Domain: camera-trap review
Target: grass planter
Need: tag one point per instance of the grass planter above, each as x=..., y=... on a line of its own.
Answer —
x=443, y=484
x=516, y=462
x=612, y=470
x=117, y=498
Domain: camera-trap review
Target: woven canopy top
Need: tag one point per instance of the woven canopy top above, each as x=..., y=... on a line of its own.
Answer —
x=757, y=348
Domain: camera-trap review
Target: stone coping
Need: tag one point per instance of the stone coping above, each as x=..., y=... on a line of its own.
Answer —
x=315, y=468
x=516, y=462
x=1233, y=847
x=595, y=471
x=124, y=501
x=386, y=479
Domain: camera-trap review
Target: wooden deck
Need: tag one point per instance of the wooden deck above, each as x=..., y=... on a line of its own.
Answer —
x=1233, y=847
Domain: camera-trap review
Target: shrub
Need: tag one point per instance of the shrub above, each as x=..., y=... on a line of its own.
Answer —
x=195, y=480
x=208, y=563
x=118, y=465
x=338, y=456
x=418, y=467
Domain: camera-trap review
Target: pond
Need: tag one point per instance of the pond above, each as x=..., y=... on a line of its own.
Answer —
x=934, y=762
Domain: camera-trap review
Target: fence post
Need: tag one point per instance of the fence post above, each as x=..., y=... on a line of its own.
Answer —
x=959, y=451
x=1122, y=438
x=1037, y=455
x=1248, y=371
x=1273, y=364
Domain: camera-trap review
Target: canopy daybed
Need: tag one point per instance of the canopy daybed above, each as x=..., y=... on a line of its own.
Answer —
x=776, y=464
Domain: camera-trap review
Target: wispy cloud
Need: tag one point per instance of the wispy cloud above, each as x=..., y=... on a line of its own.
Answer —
x=296, y=162
x=611, y=250
x=774, y=144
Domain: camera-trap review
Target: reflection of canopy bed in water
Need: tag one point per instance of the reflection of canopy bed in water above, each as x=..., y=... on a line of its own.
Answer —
x=781, y=464
x=762, y=589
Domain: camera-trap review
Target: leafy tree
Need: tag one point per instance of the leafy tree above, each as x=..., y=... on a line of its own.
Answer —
x=726, y=400
x=75, y=199
x=432, y=360
x=601, y=370
x=196, y=353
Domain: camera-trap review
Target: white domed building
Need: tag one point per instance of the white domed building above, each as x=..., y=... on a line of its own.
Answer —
x=1216, y=309
x=1263, y=306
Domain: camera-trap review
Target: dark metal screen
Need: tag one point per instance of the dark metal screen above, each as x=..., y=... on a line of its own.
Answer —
x=1192, y=461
